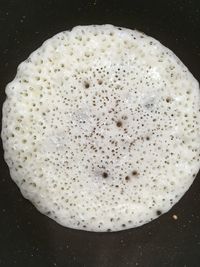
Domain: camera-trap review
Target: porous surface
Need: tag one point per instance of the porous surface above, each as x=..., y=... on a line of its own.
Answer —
x=101, y=128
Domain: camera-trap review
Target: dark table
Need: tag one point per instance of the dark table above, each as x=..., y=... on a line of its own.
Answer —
x=28, y=238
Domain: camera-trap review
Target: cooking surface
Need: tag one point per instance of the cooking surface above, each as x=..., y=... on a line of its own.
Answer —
x=29, y=238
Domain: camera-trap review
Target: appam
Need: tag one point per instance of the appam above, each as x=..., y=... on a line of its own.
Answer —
x=100, y=128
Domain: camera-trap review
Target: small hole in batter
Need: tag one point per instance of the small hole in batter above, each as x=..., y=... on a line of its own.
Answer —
x=134, y=173
x=127, y=178
x=87, y=85
x=119, y=124
x=158, y=212
x=168, y=99
x=124, y=117
x=104, y=174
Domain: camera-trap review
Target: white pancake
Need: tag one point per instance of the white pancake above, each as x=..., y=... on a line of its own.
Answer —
x=101, y=128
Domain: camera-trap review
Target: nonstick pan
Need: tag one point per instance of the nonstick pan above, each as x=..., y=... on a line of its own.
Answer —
x=28, y=238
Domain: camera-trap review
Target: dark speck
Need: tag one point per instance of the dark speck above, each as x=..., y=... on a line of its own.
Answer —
x=168, y=99
x=87, y=85
x=100, y=82
x=104, y=175
x=127, y=178
x=158, y=212
x=134, y=173
x=119, y=124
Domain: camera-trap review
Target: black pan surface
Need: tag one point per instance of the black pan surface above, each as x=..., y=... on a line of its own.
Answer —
x=28, y=238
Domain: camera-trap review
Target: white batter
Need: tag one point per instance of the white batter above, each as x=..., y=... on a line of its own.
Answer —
x=101, y=128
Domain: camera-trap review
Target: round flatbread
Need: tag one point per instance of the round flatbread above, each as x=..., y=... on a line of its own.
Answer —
x=101, y=128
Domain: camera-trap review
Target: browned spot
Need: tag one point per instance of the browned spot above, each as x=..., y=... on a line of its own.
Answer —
x=119, y=124
x=86, y=85
x=168, y=99
x=127, y=178
x=104, y=174
x=135, y=173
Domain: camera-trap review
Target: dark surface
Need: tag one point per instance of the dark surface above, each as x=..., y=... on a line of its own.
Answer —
x=27, y=238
